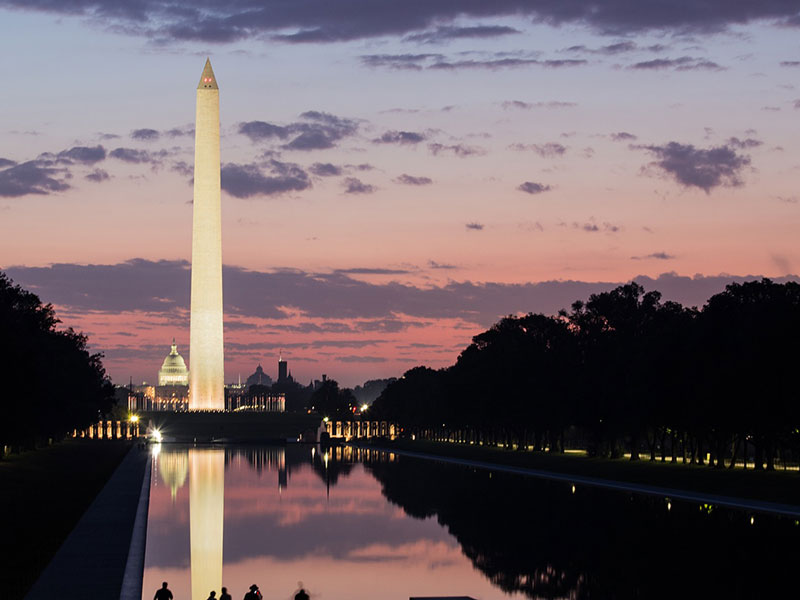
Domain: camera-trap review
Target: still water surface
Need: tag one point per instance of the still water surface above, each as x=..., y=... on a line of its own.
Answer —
x=365, y=525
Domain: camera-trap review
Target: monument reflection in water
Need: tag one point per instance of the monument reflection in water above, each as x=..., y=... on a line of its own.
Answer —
x=363, y=524
x=293, y=514
x=206, y=515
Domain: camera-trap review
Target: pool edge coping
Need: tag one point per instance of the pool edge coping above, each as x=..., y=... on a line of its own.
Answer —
x=761, y=506
x=133, y=577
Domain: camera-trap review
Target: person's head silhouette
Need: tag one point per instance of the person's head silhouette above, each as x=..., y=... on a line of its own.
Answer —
x=164, y=585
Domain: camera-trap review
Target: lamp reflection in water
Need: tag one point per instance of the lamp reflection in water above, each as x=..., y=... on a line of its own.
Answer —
x=206, y=499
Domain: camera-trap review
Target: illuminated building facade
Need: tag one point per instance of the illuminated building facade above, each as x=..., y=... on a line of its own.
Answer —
x=172, y=391
x=173, y=370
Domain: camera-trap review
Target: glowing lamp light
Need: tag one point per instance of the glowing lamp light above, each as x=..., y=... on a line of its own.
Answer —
x=364, y=407
x=325, y=419
x=134, y=419
x=157, y=435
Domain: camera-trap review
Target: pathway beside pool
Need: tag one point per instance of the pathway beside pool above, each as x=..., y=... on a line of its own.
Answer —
x=103, y=557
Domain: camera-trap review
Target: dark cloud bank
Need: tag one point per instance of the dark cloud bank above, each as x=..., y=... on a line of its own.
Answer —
x=426, y=20
x=161, y=287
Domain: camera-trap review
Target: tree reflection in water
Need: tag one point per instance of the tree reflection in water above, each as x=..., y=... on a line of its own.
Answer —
x=544, y=540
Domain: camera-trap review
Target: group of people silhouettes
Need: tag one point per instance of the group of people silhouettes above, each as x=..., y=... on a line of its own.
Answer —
x=164, y=593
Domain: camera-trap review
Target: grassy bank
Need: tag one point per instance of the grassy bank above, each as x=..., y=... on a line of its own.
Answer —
x=44, y=494
x=780, y=487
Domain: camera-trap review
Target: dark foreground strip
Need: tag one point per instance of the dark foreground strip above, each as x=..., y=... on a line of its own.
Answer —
x=134, y=567
x=740, y=503
x=91, y=562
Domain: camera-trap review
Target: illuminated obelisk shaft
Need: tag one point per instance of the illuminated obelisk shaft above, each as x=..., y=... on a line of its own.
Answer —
x=206, y=358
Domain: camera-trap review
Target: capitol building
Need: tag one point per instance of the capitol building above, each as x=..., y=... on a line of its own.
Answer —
x=173, y=370
x=171, y=393
x=172, y=390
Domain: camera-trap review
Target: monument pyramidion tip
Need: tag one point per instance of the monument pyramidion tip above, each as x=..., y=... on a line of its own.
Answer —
x=207, y=79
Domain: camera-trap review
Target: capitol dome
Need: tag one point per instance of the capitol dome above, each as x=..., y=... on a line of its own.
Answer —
x=173, y=371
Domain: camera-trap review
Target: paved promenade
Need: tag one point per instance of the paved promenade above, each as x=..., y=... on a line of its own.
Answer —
x=107, y=541
x=689, y=496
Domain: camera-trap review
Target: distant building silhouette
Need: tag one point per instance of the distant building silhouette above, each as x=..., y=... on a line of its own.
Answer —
x=259, y=378
x=284, y=374
x=318, y=384
x=283, y=369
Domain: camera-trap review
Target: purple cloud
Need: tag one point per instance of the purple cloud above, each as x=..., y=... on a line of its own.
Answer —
x=353, y=185
x=531, y=187
x=145, y=135
x=325, y=170
x=697, y=167
x=32, y=178
x=684, y=63
x=459, y=150
x=548, y=150
x=400, y=137
x=82, y=154
x=411, y=180
x=246, y=181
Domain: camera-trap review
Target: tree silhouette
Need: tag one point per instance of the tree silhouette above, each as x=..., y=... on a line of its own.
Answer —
x=624, y=372
x=52, y=383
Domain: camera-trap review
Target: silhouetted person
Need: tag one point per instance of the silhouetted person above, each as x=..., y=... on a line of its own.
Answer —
x=253, y=594
x=301, y=595
x=225, y=595
x=212, y=595
x=163, y=593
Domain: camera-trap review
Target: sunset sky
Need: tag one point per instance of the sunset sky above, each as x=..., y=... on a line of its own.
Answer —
x=396, y=175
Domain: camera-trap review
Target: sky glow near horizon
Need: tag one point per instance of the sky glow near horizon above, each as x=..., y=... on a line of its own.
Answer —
x=476, y=165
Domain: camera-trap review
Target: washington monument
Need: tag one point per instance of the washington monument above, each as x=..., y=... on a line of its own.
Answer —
x=206, y=359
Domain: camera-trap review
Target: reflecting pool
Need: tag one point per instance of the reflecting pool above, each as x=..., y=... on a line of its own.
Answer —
x=353, y=524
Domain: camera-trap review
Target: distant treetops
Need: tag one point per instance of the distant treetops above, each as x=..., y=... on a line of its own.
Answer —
x=52, y=384
x=625, y=372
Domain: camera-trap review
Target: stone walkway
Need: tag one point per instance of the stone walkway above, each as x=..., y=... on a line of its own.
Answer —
x=107, y=541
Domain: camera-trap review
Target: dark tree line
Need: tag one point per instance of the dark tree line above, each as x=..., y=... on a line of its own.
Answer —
x=332, y=401
x=52, y=384
x=624, y=372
